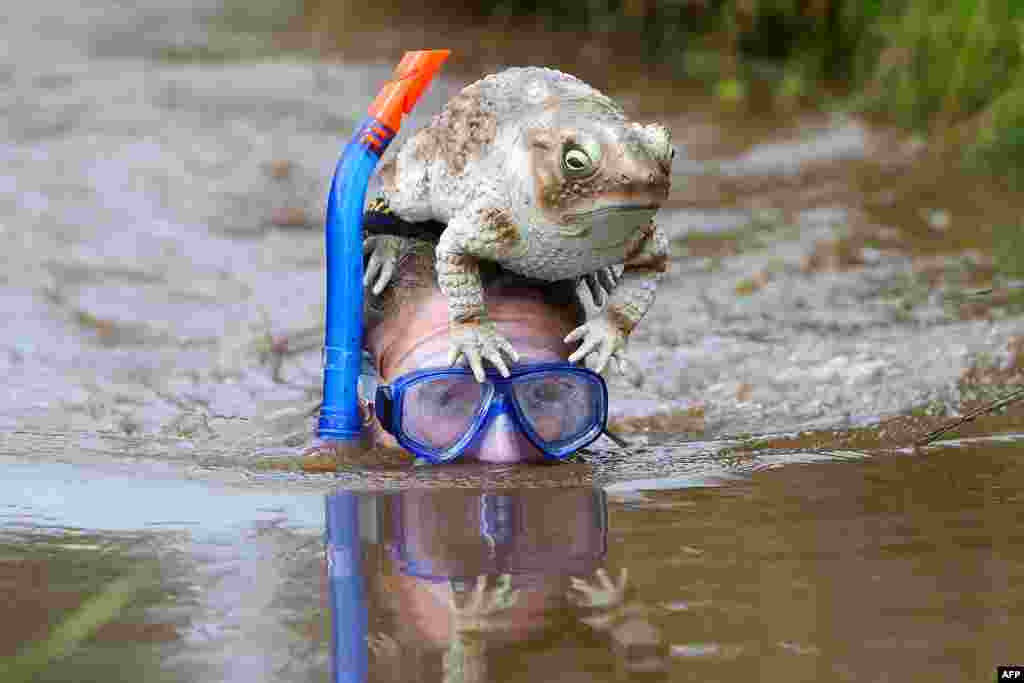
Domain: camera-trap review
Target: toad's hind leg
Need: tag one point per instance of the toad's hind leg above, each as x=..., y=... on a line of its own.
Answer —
x=604, y=337
x=600, y=284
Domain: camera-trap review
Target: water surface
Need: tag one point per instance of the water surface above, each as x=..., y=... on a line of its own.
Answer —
x=904, y=565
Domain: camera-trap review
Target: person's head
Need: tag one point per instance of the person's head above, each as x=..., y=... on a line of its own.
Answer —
x=407, y=331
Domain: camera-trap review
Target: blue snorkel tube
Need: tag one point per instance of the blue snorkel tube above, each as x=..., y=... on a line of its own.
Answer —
x=340, y=417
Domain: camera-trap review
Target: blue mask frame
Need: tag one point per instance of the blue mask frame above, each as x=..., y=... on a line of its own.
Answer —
x=498, y=399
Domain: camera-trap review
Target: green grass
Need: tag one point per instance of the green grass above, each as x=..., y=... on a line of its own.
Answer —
x=1009, y=250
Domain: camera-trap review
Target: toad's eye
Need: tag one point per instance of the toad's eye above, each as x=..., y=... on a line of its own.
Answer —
x=576, y=162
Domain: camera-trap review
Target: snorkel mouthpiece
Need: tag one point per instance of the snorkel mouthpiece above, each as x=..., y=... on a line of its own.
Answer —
x=340, y=418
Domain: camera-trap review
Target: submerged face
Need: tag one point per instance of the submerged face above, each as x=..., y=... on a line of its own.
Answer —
x=597, y=177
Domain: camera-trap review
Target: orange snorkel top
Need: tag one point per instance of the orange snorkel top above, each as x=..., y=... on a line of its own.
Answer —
x=411, y=77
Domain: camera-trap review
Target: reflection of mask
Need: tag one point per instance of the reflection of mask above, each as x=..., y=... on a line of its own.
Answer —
x=456, y=534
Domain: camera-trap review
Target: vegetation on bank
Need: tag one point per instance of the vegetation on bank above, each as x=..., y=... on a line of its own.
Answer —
x=951, y=69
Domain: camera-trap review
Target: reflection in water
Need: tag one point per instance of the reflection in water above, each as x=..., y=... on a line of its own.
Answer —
x=799, y=570
x=439, y=585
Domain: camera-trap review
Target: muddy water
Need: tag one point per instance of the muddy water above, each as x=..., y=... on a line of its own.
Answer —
x=779, y=566
x=161, y=290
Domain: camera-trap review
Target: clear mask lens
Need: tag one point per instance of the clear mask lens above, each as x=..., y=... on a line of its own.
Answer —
x=438, y=411
x=559, y=407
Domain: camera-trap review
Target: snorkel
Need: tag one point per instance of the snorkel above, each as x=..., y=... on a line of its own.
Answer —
x=340, y=417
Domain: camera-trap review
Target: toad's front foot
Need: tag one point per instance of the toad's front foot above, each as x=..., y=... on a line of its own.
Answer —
x=383, y=646
x=603, y=594
x=478, y=341
x=482, y=610
x=382, y=252
x=603, y=342
x=388, y=655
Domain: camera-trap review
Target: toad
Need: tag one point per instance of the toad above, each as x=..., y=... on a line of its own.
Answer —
x=538, y=171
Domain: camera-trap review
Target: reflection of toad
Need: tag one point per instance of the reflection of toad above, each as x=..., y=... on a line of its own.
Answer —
x=468, y=574
x=638, y=643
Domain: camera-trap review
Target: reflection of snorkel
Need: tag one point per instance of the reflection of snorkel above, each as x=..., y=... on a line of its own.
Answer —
x=340, y=419
x=345, y=588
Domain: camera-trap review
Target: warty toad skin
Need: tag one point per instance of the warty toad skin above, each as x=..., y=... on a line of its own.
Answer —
x=542, y=173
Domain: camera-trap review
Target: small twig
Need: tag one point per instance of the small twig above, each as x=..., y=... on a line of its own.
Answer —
x=277, y=348
x=1012, y=397
x=1014, y=284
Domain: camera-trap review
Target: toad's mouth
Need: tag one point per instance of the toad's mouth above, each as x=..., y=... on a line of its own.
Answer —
x=580, y=224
